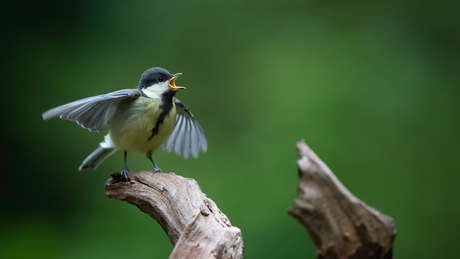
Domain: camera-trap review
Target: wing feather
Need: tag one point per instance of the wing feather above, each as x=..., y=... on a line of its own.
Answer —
x=179, y=139
x=188, y=136
x=92, y=113
x=194, y=141
x=169, y=144
x=202, y=137
x=186, y=142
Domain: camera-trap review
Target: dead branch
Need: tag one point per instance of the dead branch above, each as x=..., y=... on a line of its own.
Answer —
x=193, y=223
x=340, y=225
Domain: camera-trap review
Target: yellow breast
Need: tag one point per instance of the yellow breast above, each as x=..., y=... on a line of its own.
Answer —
x=132, y=124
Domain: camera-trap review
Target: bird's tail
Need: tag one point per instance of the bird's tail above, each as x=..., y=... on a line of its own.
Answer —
x=96, y=158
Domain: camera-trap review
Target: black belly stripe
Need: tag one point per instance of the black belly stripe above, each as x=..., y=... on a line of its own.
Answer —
x=166, y=107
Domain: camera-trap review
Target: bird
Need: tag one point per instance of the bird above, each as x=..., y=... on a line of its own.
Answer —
x=140, y=120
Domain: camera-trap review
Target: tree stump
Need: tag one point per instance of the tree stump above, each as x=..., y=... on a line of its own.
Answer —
x=340, y=225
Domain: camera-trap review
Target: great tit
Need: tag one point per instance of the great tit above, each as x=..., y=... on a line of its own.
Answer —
x=141, y=120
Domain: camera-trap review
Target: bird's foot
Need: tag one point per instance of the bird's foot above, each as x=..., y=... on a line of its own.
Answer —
x=121, y=176
x=124, y=174
x=156, y=170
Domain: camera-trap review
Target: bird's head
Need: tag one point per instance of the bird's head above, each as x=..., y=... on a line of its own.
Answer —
x=157, y=81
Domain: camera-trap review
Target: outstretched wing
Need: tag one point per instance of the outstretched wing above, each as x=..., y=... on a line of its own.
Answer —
x=94, y=112
x=188, y=135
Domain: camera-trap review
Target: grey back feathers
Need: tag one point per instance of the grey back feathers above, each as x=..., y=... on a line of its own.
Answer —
x=92, y=113
x=188, y=135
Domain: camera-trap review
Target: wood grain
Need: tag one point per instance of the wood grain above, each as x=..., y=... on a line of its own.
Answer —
x=193, y=222
x=341, y=225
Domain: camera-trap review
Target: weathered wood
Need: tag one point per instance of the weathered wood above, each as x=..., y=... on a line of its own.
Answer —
x=193, y=222
x=340, y=225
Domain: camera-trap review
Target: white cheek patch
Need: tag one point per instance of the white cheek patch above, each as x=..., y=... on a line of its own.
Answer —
x=155, y=91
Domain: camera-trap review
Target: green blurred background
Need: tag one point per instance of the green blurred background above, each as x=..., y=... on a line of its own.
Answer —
x=372, y=87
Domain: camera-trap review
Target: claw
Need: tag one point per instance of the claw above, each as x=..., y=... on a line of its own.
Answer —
x=125, y=171
x=124, y=175
x=156, y=169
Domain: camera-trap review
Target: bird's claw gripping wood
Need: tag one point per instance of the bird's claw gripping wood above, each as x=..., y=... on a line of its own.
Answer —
x=124, y=174
x=120, y=177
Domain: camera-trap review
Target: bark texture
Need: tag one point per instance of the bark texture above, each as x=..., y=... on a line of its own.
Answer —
x=340, y=225
x=193, y=222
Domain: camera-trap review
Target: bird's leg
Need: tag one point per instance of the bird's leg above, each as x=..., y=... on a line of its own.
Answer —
x=156, y=169
x=125, y=171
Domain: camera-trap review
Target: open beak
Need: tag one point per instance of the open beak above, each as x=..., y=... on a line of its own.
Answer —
x=172, y=85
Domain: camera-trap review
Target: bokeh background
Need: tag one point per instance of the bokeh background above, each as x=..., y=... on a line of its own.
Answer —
x=372, y=87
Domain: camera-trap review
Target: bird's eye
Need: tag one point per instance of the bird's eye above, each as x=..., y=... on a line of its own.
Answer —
x=160, y=79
